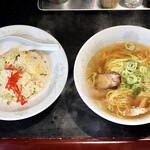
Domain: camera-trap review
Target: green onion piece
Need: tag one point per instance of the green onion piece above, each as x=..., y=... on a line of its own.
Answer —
x=90, y=76
x=130, y=46
x=143, y=70
x=137, y=91
x=148, y=74
x=17, y=56
x=138, y=81
x=131, y=79
x=43, y=74
x=40, y=55
x=131, y=66
x=108, y=109
x=124, y=73
x=12, y=96
x=44, y=61
x=129, y=86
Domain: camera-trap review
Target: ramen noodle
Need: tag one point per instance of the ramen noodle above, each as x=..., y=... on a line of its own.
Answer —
x=131, y=60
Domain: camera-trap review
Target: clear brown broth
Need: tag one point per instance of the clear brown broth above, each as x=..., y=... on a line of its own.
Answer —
x=98, y=61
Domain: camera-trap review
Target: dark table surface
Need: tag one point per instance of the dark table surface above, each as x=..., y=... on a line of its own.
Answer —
x=68, y=116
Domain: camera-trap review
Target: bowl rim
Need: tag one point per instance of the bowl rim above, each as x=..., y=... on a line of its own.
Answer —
x=100, y=112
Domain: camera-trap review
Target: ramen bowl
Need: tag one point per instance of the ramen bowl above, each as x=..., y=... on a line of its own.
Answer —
x=58, y=69
x=94, y=44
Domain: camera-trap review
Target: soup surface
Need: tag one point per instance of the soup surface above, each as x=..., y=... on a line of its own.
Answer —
x=131, y=60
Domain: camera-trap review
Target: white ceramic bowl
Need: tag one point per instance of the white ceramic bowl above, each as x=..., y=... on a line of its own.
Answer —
x=58, y=65
x=96, y=42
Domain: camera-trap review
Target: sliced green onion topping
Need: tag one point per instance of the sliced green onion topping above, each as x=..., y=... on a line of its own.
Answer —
x=43, y=74
x=137, y=91
x=131, y=66
x=129, y=86
x=143, y=70
x=90, y=76
x=148, y=74
x=124, y=73
x=131, y=79
x=130, y=46
x=138, y=82
x=108, y=109
x=17, y=56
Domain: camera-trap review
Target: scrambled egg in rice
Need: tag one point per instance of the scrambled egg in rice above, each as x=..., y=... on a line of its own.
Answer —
x=22, y=74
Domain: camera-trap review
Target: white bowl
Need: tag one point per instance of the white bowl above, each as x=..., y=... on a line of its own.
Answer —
x=96, y=42
x=58, y=65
